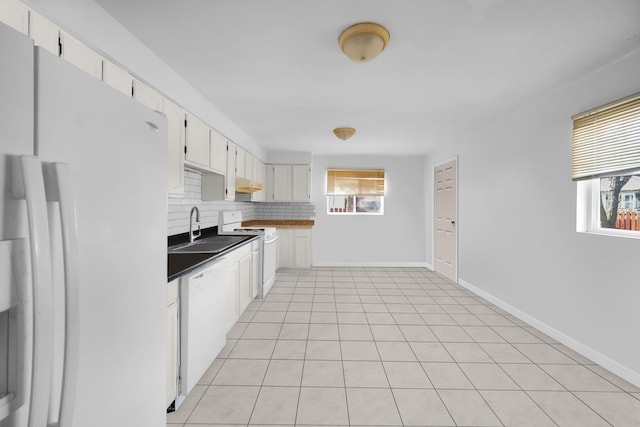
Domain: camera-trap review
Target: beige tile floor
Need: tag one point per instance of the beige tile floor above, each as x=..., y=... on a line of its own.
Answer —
x=393, y=347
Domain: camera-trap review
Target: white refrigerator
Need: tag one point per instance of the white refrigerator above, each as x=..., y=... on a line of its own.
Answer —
x=82, y=247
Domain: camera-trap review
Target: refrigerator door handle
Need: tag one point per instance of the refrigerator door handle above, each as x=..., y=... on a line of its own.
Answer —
x=58, y=185
x=28, y=184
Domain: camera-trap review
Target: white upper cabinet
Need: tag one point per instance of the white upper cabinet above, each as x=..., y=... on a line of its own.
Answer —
x=281, y=188
x=250, y=162
x=197, y=143
x=301, y=183
x=288, y=183
x=117, y=77
x=261, y=178
x=218, y=153
x=230, y=181
x=176, y=134
x=216, y=186
x=44, y=33
x=146, y=95
x=15, y=14
x=240, y=163
x=76, y=53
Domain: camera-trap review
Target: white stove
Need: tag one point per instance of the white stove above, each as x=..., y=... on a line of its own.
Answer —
x=230, y=222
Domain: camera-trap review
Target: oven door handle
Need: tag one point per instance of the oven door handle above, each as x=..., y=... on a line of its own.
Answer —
x=266, y=242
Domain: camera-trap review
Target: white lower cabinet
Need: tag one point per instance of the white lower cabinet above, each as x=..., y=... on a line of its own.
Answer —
x=294, y=248
x=256, y=269
x=231, y=312
x=238, y=284
x=173, y=336
x=245, y=287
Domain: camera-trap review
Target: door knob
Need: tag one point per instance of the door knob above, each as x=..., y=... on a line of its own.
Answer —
x=452, y=221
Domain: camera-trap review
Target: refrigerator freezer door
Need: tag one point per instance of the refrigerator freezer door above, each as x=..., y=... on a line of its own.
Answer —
x=16, y=139
x=117, y=163
x=16, y=122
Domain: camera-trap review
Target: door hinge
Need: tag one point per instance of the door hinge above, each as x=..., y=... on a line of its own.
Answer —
x=185, y=149
x=133, y=91
x=59, y=46
x=185, y=122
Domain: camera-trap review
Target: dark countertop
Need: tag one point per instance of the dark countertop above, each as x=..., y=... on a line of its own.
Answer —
x=179, y=265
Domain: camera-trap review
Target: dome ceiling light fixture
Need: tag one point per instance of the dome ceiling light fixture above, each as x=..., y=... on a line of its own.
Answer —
x=364, y=41
x=344, y=133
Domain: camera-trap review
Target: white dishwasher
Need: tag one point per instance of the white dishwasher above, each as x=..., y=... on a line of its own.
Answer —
x=202, y=323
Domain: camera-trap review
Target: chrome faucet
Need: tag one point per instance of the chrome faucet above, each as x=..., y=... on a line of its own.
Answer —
x=192, y=234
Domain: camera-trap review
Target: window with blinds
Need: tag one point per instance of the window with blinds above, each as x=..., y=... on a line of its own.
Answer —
x=606, y=158
x=355, y=191
x=606, y=140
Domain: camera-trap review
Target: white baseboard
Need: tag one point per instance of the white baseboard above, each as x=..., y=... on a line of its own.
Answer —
x=599, y=358
x=417, y=264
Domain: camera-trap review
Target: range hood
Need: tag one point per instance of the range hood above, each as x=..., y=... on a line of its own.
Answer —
x=246, y=186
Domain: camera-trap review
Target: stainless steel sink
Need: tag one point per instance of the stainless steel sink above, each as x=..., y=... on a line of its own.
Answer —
x=212, y=245
x=225, y=238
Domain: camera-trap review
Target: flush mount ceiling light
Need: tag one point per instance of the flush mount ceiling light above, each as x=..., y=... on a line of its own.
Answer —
x=344, y=133
x=364, y=41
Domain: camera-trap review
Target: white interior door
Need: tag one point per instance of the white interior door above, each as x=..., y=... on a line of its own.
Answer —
x=445, y=213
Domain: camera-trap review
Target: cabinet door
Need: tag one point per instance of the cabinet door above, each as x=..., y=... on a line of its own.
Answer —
x=245, y=286
x=218, y=153
x=260, y=176
x=44, y=33
x=79, y=55
x=175, y=144
x=256, y=269
x=301, y=248
x=197, y=143
x=249, y=160
x=282, y=183
x=146, y=95
x=240, y=163
x=16, y=15
x=285, y=249
x=231, y=301
x=117, y=77
x=301, y=183
x=230, y=181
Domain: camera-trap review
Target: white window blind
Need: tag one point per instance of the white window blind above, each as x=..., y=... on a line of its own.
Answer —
x=606, y=140
x=359, y=182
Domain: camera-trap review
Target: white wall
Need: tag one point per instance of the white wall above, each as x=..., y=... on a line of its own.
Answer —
x=517, y=222
x=292, y=157
x=395, y=238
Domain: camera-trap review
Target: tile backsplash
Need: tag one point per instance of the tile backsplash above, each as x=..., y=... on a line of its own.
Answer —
x=179, y=208
x=281, y=210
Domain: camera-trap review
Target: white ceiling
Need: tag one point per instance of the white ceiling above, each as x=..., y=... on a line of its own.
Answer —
x=275, y=69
